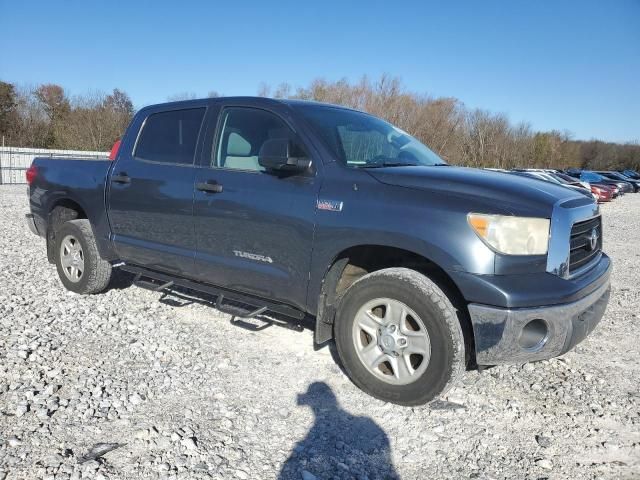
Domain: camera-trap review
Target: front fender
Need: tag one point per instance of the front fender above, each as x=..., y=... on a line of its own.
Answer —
x=416, y=221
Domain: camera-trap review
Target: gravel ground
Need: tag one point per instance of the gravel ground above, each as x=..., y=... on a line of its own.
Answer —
x=127, y=385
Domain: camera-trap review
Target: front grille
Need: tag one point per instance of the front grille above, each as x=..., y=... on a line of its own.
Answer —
x=583, y=249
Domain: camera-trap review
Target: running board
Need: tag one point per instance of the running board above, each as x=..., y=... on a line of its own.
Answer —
x=237, y=311
x=150, y=285
x=160, y=281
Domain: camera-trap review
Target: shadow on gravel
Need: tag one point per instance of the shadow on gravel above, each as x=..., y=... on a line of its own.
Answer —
x=338, y=445
x=120, y=280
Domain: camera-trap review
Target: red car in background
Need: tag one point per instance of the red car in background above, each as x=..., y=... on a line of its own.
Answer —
x=603, y=192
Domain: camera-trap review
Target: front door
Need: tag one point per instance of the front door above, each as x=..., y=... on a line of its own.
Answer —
x=254, y=229
x=151, y=193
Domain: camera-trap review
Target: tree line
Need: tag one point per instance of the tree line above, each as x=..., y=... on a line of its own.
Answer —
x=463, y=136
x=46, y=116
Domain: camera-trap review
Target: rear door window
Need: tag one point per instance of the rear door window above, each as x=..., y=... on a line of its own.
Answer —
x=170, y=137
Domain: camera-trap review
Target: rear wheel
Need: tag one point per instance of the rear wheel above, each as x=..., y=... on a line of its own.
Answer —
x=399, y=337
x=80, y=267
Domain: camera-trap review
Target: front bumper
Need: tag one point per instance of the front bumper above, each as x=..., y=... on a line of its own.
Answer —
x=501, y=336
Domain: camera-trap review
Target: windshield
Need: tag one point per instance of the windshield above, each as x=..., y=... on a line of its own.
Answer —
x=566, y=178
x=591, y=177
x=549, y=178
x=360, y=140
x=610, y=175
x=620, y=176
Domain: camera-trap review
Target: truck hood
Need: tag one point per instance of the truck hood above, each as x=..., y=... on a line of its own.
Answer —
x=485, y=190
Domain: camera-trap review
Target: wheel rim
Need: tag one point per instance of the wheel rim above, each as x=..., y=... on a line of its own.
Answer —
x=391, y=341
x=72, y=258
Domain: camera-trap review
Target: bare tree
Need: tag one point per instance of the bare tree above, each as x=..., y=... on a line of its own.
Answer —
x=96, y=121
x=32, y=127
x=264, y=90
x=461, y=136
x=8, y=110
x=44, y=116
x=55, y=103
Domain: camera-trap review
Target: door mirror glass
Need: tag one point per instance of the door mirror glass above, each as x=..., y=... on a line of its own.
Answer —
x=281, y=154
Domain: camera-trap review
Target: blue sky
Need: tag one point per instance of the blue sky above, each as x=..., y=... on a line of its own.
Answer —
x=567, y=64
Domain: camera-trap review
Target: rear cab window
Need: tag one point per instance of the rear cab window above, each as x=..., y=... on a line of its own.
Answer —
x=170, y=137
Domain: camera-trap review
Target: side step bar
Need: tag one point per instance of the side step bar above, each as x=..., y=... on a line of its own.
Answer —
x=153, y=286
x=159, y=281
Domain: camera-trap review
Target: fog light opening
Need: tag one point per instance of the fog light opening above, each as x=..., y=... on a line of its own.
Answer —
x=534, y=334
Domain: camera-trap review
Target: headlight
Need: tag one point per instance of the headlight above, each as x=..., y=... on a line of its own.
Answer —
x=512, y=235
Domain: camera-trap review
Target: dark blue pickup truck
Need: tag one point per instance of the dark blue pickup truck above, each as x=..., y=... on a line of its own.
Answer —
x=415, y=268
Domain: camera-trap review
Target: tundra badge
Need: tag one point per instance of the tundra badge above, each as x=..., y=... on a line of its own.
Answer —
x=252, y=256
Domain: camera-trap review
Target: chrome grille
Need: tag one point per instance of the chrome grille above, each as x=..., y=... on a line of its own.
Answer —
x=583, y=248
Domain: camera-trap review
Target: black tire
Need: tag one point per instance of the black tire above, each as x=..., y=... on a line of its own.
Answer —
x=96, y=273
x=439, y=317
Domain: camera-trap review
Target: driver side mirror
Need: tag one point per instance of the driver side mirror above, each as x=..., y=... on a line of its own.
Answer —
x=281, y=154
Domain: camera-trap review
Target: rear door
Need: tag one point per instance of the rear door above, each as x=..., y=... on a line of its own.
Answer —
x=254, y=229
x=150, y=199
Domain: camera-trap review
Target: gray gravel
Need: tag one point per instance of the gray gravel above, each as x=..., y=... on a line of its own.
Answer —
x=122, y=385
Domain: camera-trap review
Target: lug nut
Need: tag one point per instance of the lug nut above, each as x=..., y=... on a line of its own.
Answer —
x=402, y=341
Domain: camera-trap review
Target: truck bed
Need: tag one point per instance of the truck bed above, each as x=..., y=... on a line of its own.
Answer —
x=80, y=180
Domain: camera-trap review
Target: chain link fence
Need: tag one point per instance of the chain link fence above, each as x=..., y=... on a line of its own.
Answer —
x=14, y=161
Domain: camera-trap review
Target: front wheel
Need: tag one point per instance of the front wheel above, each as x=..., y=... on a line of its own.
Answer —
x=399, y=337
x=80, y=267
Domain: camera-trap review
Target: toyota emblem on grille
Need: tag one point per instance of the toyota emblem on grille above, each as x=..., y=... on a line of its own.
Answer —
x=593, y=239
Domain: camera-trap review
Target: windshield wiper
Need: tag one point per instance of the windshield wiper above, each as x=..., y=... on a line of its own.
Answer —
x=390, y=164
x=440, y=165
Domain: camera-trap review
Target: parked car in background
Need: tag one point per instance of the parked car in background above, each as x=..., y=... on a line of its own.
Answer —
x=549, y=177
x=614, y=188
x=573, y=172
x=571, y=179
x=619, y=176
x=631, y=174
x=531, y=174
x=602, y=193
x=572, y=182
x=538, y=170
x=593, y=177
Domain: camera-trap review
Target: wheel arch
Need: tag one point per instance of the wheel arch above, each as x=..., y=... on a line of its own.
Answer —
x=358, y=260
x=63, y=205
x=60, y=210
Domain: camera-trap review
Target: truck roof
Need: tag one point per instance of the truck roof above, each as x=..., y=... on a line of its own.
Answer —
x=244, y=99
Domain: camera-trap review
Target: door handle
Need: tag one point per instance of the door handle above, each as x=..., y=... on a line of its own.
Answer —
x=209, y=187
x=121, y=177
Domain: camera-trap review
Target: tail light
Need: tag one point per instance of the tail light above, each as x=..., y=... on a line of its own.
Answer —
x=31, y=174
x=114, y=150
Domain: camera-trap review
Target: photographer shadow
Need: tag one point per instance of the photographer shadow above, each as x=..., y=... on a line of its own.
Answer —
x=338, y=445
